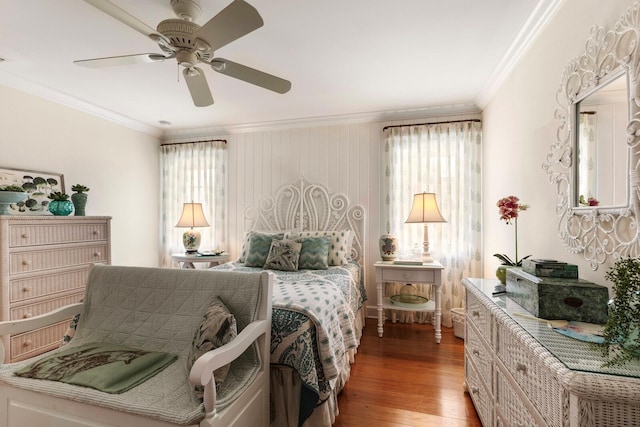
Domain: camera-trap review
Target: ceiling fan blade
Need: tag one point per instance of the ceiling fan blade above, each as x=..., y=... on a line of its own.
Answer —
x=124, y=17
x=251, y=75
x=112, y=61
x=198, y=87
x=233, y=22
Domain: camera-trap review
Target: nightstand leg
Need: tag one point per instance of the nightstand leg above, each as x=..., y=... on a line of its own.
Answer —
x=380, y=311
x=438, y=313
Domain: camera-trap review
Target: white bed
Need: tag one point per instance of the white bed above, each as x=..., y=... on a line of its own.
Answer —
x=301, y=381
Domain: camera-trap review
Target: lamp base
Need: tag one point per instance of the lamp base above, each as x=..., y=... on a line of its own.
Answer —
x=426, y=257
x=191, y=241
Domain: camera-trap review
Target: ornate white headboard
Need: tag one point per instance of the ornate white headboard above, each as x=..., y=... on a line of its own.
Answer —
x=308, y=206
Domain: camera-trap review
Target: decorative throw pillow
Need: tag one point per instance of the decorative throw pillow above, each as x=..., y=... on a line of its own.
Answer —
x=283, y=255
x=218, y=327
x=314, y=254
x=339, y=247
x=259, y=246
x=246, y=241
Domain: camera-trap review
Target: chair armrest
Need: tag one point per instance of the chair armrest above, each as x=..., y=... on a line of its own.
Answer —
x=202, y=370
x=25, y=325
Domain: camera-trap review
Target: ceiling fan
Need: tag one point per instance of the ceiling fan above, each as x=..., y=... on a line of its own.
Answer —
x=190, y=44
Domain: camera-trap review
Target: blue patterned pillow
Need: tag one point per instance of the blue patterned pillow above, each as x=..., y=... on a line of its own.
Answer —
x=283, y=255
x=259, y=246
x=314, y=254
x=244, y=251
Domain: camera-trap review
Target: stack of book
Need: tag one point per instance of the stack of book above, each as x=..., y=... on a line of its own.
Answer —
x=550, y=268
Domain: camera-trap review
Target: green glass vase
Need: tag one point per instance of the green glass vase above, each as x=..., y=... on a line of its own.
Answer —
x=60, y=207
x=79, y=203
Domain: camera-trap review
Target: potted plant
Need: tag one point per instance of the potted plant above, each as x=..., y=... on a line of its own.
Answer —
x=79, y=198
x=621, y=331
x=10, y=194
x=60, y=204
x=509, y=210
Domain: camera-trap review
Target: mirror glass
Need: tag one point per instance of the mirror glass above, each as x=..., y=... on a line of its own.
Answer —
x=601, y=168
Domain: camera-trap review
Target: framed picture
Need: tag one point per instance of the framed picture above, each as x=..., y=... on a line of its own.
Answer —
x=38, y=184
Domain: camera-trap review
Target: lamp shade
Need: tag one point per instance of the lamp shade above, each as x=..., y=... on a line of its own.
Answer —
x=425, y=209
x=192, y=216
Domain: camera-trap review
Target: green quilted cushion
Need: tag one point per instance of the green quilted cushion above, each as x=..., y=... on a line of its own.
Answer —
x=283, y=255
x=314, y=254
x=259, y=246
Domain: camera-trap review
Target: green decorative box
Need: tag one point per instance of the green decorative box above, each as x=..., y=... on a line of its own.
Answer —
x=550, y=268
x=555, y=298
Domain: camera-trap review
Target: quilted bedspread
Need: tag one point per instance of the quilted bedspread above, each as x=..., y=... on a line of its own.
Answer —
x=313, y=322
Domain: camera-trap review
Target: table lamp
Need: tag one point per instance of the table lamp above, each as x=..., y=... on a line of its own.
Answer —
x=192, y=216
x=425, y=210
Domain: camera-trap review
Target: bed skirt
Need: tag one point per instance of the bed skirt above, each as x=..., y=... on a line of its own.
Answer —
x=285, y=387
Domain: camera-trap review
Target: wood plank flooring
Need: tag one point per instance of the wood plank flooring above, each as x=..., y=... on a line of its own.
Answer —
x=405, y=379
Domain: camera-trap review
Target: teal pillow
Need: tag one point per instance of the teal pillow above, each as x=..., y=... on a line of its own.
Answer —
x=283, y=255
x=314, y=254
x=259, y=246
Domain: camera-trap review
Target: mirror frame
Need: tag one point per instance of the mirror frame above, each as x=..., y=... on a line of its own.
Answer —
x=601, y=233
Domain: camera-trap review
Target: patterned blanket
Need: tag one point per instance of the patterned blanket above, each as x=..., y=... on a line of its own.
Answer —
x=313, y=323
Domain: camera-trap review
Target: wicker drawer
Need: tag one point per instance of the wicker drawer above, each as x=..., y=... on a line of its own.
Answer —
x=52, y=234
x=42, y=307
x=479, y=316
x=32, y=343
x=408, y=276
x=477, y=351
x=529, y=372
x=33, y=287
x=509, y=408
x=24, y=262
x=480, y=396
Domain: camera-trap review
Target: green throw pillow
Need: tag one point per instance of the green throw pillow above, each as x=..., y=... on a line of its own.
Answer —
x=314, y=254
x=259, y=246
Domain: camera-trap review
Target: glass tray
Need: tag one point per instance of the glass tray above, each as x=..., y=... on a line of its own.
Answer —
x=409, y=301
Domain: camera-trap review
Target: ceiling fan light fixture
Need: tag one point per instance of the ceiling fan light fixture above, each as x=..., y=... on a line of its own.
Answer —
x=218, y=66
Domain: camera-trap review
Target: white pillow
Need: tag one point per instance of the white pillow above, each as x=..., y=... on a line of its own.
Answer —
x=339, y=246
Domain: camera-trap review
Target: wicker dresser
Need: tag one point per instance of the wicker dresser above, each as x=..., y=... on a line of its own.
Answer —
x=44, y=264
x=519, y=372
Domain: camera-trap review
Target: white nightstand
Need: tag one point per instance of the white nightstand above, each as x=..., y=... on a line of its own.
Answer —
x=430, y=273
x=187, y=260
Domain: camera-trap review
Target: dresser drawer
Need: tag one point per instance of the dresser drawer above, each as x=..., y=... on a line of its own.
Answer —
x=529, y=372
x=509, y=407
x=53, y=234
x=24, y=262
x=479, y=316
x=50, y=283
x=408, y=276
x=29, y=344
x=37, y=308
x=481, y=398
x=477, y=351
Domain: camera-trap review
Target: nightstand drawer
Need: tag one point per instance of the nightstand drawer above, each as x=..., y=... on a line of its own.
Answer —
x=406, y=275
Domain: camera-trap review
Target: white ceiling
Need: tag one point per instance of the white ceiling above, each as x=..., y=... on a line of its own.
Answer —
x=343, y=57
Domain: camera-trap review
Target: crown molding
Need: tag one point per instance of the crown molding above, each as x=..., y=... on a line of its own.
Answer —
x=41, y=91
x=343, y=119
x=539, y=17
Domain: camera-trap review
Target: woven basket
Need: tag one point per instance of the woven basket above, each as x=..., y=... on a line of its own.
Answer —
x=457, y=317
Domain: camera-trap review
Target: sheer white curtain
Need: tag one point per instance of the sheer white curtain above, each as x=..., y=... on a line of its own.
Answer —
x=587, y=150
x=444, y=159
x=194, y=171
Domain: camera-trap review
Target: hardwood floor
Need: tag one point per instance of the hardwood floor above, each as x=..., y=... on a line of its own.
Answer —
x=406, y=379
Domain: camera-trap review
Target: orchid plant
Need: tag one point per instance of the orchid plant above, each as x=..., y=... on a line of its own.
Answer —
x=509, y=209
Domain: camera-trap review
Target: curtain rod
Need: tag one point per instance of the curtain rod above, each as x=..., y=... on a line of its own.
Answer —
x=192, y=142
x=432, y=123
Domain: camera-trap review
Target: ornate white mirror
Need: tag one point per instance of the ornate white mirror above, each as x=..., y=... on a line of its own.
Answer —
x=595, y=161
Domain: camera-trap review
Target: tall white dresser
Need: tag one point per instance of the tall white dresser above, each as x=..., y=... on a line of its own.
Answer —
x=44, y=265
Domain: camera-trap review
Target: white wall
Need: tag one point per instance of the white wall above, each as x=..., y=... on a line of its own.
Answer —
x=519, y=128
x=118, y=164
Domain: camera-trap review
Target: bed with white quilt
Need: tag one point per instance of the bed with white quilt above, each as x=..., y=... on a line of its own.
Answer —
x=312, y=241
